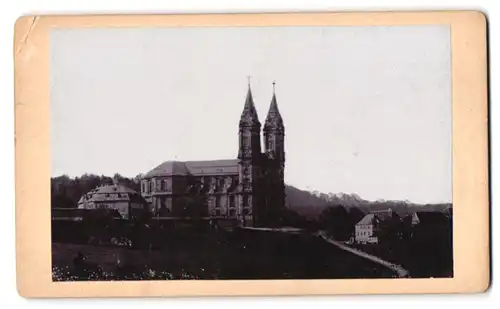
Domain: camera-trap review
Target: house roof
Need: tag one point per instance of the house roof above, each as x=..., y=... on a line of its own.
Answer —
x=378, y=217
x=115, y=188
x=384, y=215
x=195, y=168
x=368, y=219
x=114, y=192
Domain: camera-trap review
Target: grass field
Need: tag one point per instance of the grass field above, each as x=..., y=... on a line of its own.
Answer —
x=238, y=255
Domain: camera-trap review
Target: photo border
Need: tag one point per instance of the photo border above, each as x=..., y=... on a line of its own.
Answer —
x=469, y=142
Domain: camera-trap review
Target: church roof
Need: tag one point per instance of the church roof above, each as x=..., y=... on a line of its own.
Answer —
x=195, y=168
x=249, y=115
x=171, y=168
x=216, y=167
x=273, y=119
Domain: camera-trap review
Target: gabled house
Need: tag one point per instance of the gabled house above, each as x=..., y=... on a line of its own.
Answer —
x=430, y=224
x=377, y=226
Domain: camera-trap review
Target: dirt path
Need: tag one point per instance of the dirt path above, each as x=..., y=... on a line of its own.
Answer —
x=402, y=273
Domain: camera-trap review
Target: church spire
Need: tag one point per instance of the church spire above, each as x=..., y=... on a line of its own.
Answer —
x=273, y=120
x=249, y=115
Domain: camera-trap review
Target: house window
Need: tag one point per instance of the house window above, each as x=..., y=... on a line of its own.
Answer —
x=162, y=185
x=232, y=212
x=150, y=183
x=217, y=212
x=232, y=201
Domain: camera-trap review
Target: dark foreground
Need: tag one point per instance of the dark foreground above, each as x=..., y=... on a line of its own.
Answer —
x=240, y=254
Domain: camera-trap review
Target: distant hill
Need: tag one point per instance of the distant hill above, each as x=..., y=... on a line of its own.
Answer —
x=311, y=203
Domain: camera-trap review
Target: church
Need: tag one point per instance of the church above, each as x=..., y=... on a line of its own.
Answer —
x=249, y=188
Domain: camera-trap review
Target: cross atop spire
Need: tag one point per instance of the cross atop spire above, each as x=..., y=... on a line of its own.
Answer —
x=273, y=120
x=249, y=115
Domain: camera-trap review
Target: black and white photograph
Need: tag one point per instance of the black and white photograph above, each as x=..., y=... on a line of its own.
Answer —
x=241, y=153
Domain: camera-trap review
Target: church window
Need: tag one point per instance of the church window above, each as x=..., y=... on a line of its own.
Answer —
x=269, y=143
x=220, y=184
x=246, y=200
x=246, y=142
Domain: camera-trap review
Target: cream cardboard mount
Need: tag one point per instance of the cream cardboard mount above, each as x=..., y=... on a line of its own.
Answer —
x=471, y=261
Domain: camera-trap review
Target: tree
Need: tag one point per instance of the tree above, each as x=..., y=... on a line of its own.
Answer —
x=335, y=219
x=355, y=215
x=293, y=219
x=62, y=201
x=100, y=222
x=194, y=206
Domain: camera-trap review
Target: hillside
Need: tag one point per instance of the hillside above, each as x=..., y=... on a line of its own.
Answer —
x=311, y=204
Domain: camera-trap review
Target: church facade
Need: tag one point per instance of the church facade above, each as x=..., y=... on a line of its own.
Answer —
x=249, y=188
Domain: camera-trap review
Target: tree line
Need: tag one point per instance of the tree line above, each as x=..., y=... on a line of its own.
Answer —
x=66, y=191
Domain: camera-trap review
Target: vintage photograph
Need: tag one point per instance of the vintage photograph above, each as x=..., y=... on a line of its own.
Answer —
x=239, y=153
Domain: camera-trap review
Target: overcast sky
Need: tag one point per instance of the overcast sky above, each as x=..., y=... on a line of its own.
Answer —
x=367, y=110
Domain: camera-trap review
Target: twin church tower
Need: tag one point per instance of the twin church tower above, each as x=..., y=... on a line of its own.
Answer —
x=261, y=174
x=249, y=188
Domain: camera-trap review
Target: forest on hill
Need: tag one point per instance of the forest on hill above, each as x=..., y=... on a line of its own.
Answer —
x=311, y=204
x=66, y=191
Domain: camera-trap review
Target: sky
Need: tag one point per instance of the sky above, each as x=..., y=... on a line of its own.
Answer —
x=367, y=109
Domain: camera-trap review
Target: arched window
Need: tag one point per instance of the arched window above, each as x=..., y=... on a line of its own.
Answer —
x=270, y=143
